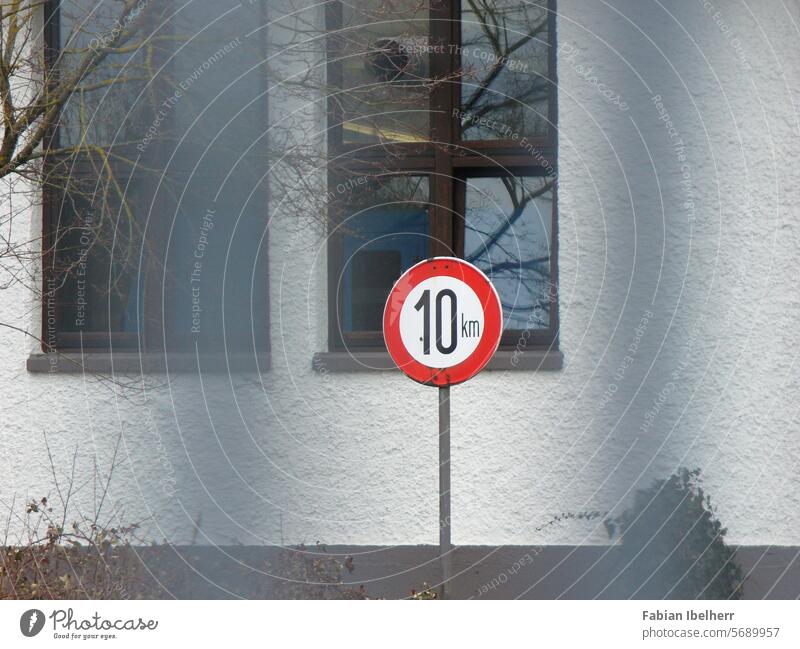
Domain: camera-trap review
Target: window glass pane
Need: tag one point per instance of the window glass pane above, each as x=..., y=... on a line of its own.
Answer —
x=115, y=103
x=385, y=233
x=383, y=45
x=215, y=271
x=185, y=252
x=508, y=224
x=100, y=198
x=215, y=285
x=504, y=56
x=217, y=89
x=97, y=255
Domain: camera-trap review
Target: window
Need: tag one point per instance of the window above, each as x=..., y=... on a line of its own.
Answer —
x=155, y=214
x=442, y=130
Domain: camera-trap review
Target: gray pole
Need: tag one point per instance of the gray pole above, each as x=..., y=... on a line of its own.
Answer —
x=444, y=488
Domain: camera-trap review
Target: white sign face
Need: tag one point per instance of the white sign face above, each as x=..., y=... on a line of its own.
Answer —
x=441, y=322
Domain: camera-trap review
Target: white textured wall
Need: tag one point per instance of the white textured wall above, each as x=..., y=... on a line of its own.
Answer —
x=352, y=458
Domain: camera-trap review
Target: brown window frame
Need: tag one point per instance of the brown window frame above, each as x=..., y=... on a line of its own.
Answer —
x=446, y=164
x=150, y=337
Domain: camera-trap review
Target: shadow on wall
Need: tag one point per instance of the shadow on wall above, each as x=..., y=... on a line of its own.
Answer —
x=671, y=545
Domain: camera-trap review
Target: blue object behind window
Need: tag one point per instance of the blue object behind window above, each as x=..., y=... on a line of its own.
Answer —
x=379, y=244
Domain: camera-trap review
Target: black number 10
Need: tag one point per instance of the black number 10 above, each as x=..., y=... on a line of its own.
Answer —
x=425, y=304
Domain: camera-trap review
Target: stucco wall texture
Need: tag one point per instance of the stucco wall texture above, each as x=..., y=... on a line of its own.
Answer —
x=704, y=248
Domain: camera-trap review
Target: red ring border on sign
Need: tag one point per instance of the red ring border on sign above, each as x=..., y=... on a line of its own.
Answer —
x=492, y=321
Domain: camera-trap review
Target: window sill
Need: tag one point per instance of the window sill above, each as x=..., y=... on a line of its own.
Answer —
x=145, y=363
x=370, y=361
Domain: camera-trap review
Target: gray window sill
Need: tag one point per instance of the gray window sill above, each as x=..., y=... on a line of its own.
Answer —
x=145, y=363
x=363, y=361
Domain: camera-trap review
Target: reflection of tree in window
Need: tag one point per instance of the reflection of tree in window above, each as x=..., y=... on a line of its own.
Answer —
x=113, y=104
x=504, y=69
x=507, y=235
x=385, y=71
x=165, y=132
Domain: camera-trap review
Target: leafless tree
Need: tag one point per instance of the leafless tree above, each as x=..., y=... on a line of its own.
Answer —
x=368, y=81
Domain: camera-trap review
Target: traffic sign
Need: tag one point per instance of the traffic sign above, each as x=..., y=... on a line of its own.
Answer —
x=442, y=321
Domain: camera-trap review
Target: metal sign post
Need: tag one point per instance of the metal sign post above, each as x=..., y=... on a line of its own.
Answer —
x=444, y=489
x=442, y=323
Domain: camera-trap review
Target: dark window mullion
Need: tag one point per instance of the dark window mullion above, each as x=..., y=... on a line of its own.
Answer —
x=442, y=29
x=552, y=100
x=454, y=84
x=506, y=159
x=442, y=67
x=400, y=158
x=554, y=300
x=459, y=217
x=333, y=23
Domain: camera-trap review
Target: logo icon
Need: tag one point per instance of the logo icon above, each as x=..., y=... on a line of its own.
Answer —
x=31, y=622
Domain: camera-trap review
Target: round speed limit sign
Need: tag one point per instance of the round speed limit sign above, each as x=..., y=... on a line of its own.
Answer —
x=442, y=321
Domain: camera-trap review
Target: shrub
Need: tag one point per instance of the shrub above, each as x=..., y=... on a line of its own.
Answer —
x=74, y=556
x=84, y=561
x=672, y=545
x=310, y=574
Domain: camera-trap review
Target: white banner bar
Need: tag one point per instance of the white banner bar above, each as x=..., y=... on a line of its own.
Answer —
x=236, y=624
